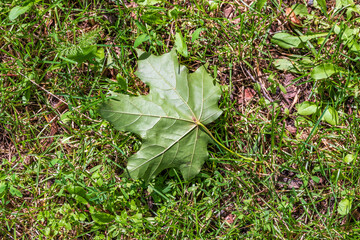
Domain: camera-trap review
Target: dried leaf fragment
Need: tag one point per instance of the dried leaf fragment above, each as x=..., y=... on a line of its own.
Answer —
x=292, y=16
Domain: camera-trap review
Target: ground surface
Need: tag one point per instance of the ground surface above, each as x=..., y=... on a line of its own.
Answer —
x=62, y=167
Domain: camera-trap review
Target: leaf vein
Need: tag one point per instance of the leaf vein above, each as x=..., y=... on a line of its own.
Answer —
x=175, y=90
x=167, y=148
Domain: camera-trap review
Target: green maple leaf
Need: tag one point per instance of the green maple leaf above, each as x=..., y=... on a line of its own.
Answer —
x=170, y=119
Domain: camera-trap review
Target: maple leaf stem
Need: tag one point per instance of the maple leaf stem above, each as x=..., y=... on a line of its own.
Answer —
x=219, y=143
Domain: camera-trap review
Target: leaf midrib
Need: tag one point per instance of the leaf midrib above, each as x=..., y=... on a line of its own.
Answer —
x=174, y=89
x=150, y=115
x=167, y=148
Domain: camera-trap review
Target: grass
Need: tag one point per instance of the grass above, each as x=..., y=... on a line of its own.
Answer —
x=61, y=168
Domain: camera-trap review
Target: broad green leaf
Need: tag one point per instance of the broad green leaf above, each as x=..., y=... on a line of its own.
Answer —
x=344, y=207
x=168, y=118
x=353, y=46
x=123, y=83
x=213, y=5
x=295, y=64
x=152, y=17
x=321, y=41
x=3, y=187
x=347, y=33
x=102, y=218
x=76, y=190
x=300, y=9
x=307, y=108
x=180, y=44
x=349, y=158
x=79, y=193
x=348, y=36
x=331, y=116
x=174, y=13
x=344, y=3
x=322, y=4
x=282, y=88
x=260, y=4
x=356, y=91
x=285, y=65
x=84, y=54
x=100, y=54
x=80, y=199
x=196, y=34
x=315, y=179
x=65, y=118
x=286, y=40
x=286, y=111
x=323, y=71
x=15, y=192
x=148, y=2
x=140, y=39
x=110, y=62
x=350, y=10
x=17, y=11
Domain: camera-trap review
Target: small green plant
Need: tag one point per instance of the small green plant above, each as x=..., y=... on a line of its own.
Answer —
x=330, y=115
x=85, y=49
x=19, y=10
